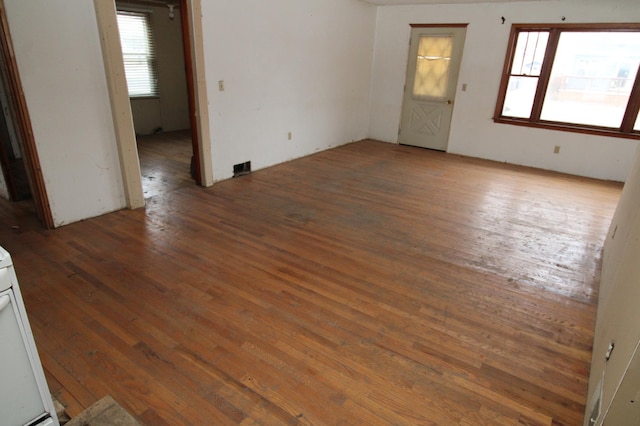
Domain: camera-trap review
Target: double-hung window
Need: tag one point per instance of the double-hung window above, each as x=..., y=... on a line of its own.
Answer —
x=138, y=54
x=580, y=78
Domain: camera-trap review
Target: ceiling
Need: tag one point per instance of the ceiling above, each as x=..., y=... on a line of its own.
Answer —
x=376, y=2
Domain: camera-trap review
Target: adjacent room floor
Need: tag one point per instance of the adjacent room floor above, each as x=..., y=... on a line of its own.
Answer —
x=368, y=284
x=165, y=162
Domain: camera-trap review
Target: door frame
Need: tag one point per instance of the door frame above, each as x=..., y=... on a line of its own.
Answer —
x=18, y=104
x=190, y=10
x=412, y=27
x=191, y=13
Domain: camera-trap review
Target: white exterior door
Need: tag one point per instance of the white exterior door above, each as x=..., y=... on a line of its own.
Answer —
x=432, y=75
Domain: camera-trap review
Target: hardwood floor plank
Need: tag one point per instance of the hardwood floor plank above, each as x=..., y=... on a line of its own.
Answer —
x=71, y=395
x=165, y=160
x=368, y=284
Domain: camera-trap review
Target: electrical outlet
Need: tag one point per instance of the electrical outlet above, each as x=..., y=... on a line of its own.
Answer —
x=221, y=85
x=289, y=136
x=556, y=149
x=464, y=87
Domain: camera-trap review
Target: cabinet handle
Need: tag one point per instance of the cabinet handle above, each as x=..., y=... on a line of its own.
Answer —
x=4, y=302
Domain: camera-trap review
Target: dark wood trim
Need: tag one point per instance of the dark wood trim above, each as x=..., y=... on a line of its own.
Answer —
x=568, y=127
x=23, y=125
x=555, y=30
x=508, y=63
x=622, y=27
x=188, y=61
x=438, y=25
x=545, y=74
x=633, y=107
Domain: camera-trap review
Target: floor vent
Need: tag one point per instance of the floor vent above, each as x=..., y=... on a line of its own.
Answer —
x=242, y=169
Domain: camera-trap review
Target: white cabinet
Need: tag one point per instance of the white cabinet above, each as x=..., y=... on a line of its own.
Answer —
x=24, y=394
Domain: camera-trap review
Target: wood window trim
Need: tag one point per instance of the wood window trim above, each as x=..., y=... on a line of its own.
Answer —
x=633, y=107
x=187, y=46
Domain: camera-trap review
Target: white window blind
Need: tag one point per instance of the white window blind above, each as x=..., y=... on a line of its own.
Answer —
x=138, y=54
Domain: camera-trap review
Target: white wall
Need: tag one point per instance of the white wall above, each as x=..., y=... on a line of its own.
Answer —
x=473, y=131
x=288, y=66
x=60, y=63
x=147, y=115
x=618, y=314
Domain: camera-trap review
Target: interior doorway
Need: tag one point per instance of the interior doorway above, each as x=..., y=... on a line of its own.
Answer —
x=152, y=34
x=21, y=175
x=14, y=182
x=106, y=15
x=432, y=73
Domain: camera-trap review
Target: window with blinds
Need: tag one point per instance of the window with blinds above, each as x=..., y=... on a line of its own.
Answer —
x=138, y=54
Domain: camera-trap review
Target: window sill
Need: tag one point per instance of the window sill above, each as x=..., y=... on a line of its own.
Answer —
x=573, y=128
x=143, y=98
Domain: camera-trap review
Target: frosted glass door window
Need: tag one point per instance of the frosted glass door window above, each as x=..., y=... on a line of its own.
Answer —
x=432, y=67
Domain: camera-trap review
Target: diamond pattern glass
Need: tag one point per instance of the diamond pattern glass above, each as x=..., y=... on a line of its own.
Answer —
x=432, y=67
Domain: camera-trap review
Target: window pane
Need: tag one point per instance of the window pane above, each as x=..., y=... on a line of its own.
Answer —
x=592, y=77
x=432, y=67
x=518, y=101
x=529, y=53
x=637, y=126
x=137, y=53
x=133, y=34
x=137, y=72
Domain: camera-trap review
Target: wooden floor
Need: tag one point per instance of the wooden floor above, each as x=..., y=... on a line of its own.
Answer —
x=369, y=284
x=165, y=160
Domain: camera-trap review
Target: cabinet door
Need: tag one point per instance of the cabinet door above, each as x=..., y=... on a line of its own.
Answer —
x=20, y=400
